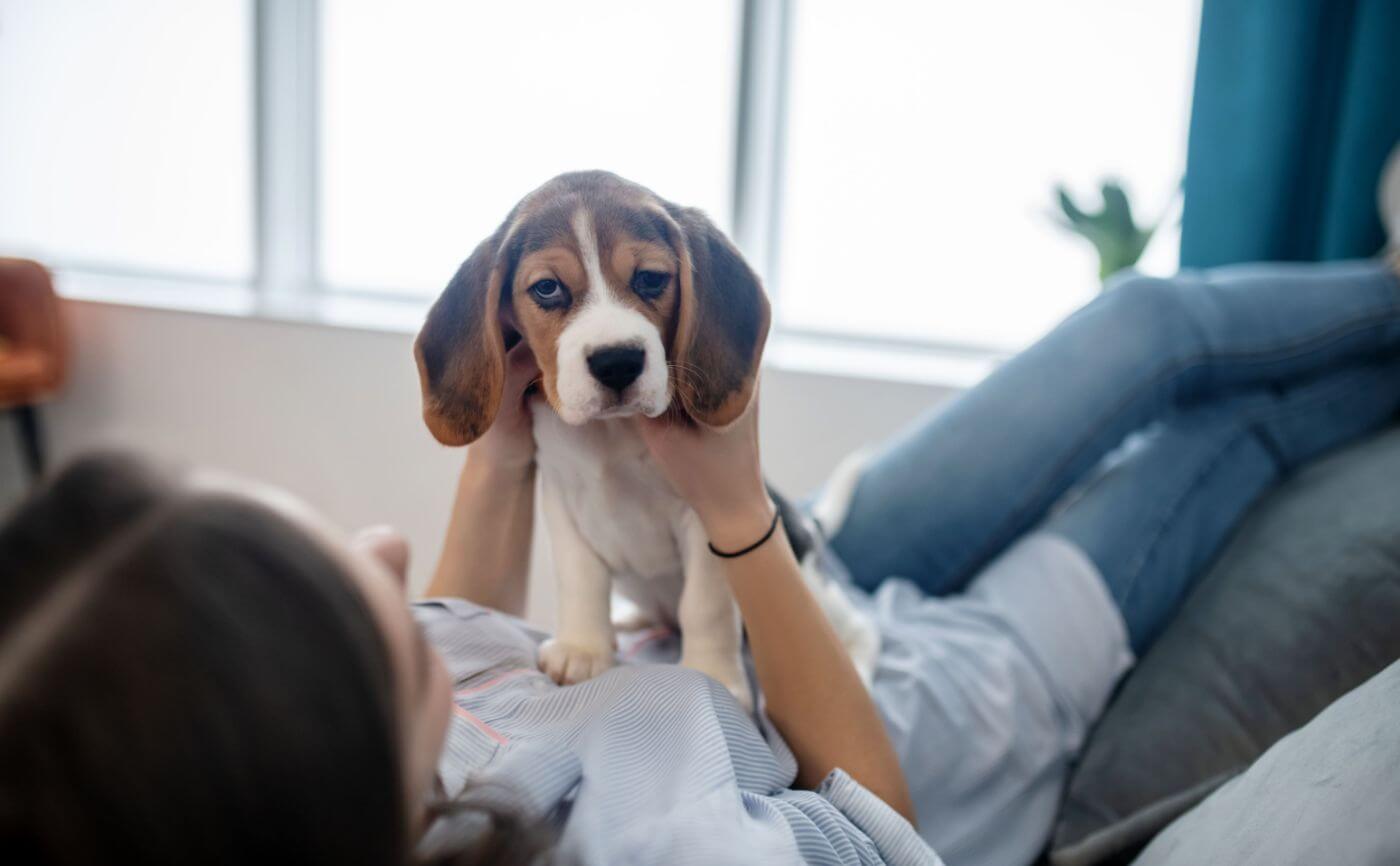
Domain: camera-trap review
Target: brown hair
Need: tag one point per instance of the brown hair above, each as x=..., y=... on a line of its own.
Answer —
x=189, y=678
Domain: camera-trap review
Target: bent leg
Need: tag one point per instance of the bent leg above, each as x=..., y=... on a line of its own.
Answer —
x=945, y=497
x=1154, y=520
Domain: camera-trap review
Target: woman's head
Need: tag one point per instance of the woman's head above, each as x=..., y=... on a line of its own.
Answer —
x=194, y=673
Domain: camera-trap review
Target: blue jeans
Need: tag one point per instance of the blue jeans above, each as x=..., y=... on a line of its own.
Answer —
x=1233, y=376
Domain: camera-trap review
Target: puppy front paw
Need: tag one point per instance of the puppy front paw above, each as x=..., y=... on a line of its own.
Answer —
x=568, y=663
x=727, y=669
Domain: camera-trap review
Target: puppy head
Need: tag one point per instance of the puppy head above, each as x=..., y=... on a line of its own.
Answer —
x=626, y=301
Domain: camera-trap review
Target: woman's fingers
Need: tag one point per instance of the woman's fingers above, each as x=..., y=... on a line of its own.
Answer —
x=387, y=545
x=521, y=368
x=716, y=471
x=508, y=441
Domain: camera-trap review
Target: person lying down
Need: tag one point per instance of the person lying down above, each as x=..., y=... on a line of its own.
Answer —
x=194, y=670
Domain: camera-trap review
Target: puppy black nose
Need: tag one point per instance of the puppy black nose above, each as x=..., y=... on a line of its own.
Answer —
x=616, y=367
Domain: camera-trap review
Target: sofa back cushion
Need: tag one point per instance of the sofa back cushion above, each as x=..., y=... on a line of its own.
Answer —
x=1302, y=606
x=1326, y=793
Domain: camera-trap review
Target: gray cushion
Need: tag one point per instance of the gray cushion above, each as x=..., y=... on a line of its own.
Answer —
x=1300, y=608
x=1328, y=793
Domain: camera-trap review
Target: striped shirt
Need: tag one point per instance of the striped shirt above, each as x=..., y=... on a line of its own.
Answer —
x=986, y=698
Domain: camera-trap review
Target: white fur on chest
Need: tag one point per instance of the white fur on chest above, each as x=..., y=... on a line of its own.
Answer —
x=620, y=503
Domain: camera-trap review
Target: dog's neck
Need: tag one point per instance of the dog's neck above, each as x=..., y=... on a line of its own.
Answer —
x=603, y=440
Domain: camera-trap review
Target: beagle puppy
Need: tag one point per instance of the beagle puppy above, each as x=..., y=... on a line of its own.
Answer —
x=632, y=306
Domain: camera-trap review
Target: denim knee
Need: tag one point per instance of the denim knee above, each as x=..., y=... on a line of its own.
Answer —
x=1150, y=318
x=1136, y=300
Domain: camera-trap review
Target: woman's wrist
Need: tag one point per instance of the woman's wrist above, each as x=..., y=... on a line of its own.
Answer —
x=497, y=471
x=740, y=525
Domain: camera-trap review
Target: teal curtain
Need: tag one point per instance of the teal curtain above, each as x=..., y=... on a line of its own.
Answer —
x=1296, y=105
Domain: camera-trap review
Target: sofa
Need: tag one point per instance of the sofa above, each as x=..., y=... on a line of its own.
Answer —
x=1224, y=727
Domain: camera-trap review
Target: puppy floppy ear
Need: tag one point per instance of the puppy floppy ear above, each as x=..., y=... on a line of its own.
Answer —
x=721, y=323
x=461, y=350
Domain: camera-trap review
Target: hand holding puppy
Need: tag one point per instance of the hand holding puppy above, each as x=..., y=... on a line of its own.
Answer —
x=717, y=472
x=486, y=556
x=509, y=443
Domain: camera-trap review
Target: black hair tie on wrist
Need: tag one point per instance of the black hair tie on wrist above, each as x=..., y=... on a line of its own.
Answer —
x=772, y=527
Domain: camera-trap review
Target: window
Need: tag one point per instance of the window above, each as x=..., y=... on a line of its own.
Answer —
x=126, y=134
x=438, y=116
x=888, y=164
x=920, y=165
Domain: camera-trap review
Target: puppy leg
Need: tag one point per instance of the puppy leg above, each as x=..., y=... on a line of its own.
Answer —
x=583, y=644
x=712, y=635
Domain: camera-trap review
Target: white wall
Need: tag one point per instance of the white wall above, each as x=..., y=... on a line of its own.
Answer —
x=332, y=414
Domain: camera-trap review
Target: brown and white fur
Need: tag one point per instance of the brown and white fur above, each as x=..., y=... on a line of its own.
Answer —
x=632, y=306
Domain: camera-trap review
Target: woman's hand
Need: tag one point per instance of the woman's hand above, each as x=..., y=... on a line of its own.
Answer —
x=486, y=555
x=811, y=690
x=716, y=472
x=508, y=443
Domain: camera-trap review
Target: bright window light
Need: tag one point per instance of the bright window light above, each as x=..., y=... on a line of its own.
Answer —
x=126, y=134
x=438, y=116
x=924, y=142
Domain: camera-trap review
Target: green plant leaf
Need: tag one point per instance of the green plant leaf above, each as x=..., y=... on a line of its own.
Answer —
x=1070, y=209
x=1116, y=209
x=1116, y=237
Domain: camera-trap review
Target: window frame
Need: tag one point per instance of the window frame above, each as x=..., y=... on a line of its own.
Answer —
x=286, y=282
x=287, y=129
x=287, y=133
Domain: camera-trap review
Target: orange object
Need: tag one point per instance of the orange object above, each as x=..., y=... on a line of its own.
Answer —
x=33, y=349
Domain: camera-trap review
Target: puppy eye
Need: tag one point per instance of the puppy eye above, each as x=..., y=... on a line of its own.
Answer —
x=549, y=294
x=649, y=284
